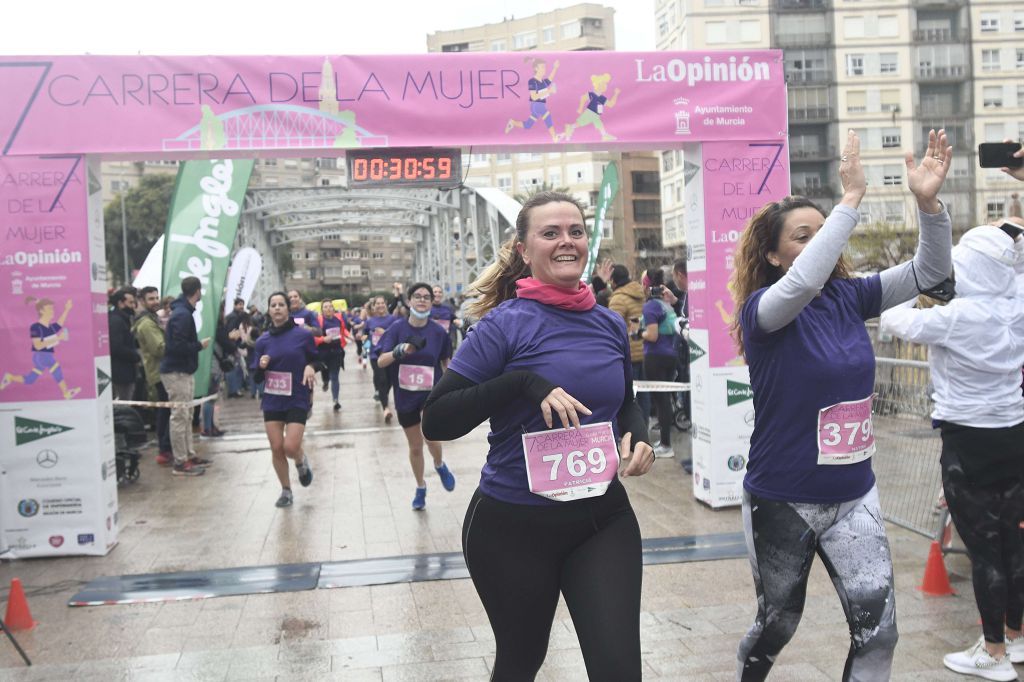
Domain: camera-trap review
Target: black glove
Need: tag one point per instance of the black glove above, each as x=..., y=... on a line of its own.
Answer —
x=417, y=342
x=398, y=352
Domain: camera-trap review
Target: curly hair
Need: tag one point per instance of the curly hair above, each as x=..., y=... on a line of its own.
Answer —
x=497, y=283
x=753, y=270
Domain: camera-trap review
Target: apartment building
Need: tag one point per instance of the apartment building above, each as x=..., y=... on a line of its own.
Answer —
x=889, y=70
x=585, y=26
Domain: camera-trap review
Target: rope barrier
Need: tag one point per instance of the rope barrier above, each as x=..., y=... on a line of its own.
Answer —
x=166, y=403
x=659, y=386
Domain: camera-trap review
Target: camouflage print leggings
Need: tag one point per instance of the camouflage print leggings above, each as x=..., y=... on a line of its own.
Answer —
x=988, y=520
x=782, y=539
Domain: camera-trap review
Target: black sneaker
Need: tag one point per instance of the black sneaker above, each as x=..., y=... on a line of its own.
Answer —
x=324, y=387
x=285, y=500
x=305, y=472
x=337, y=407
x=188, y=469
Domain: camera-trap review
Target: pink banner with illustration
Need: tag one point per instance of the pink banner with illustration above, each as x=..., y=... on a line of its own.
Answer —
x=739, y=179
x=167, y=106
x=46, y=324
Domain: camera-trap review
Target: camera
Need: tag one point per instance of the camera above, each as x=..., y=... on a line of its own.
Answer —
x=656, y=292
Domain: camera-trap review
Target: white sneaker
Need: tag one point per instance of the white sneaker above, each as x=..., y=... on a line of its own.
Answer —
x=977, y=661
x=1015, y=649
x=663, y=451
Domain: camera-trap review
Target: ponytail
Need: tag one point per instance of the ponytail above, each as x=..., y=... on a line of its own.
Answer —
x=497, y=283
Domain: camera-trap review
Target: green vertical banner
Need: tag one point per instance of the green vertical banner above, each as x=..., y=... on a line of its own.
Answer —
x=609, y=188
x=201, y=226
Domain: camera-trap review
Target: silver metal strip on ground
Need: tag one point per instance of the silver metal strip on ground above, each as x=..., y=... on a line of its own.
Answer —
x=161, y=587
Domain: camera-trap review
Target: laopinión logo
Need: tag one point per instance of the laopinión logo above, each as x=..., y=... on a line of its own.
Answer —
x=28, y=430
x=737, y=392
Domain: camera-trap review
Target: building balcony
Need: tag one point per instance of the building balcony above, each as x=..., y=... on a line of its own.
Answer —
x=813, y=191
x=811, y=115
x=785, y=40
x=958, y=185
x=937, y=4
x=941, y=35
x=953, y=72
x=802, y=5
x=944, y=112
x=808, y=77
x=827, y=153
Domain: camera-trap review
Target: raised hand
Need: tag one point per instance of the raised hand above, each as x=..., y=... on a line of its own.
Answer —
x=926, y=178
x=851, y=172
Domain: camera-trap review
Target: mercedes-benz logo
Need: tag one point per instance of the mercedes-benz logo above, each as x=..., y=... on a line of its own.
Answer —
x=47, y=459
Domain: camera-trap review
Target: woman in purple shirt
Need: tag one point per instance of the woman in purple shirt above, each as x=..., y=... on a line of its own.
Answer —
x=373, y=330
x=414, y=353
x=285, y=362
x=543, y=349
x=809, y=488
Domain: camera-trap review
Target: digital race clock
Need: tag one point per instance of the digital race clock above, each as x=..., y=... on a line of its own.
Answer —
x=403, y=167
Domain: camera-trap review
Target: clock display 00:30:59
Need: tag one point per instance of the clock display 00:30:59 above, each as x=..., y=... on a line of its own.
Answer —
x=402, y=168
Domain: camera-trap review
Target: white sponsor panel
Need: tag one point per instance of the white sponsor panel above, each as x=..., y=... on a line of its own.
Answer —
x=58, y=487
x=693, y=217
x=242, y=277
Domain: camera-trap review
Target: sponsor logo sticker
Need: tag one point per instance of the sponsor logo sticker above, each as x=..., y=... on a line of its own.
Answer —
x=737, y=392
x=28, y=430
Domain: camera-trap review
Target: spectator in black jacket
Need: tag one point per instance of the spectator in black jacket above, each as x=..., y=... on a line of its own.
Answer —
x=124, y=354
x=177, y=370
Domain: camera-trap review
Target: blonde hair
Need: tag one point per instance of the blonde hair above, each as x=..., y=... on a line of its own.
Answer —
x=753, y=270
x=599, y=78
x=497, y=283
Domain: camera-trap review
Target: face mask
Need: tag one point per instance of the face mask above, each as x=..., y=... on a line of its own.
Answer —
x=418, y=315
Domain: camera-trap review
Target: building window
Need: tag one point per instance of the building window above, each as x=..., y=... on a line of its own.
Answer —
x=1020, y=58
x=524, y=41
x=992, y=96
x=498, y=46
x=1018, y=21
x=645, y=182
x=667, y=162
x=891, y=138
x=715, y=32
x=750, y=31
x=989, y=22
x=455, y=47
x=890, y=100
x=646, y=210
x=856, y=101
x=548, y=34
x=1020, y=96
x=888, y=62
x=503, y=157
x=663, y=26
x=990, y=60
x=854, y=65
x=572, y=29
x=377, y=255
x=554, y=178
x=994, y=209
x=853, y=27
x=892, y=176
x=888, y=27
x=504, y=183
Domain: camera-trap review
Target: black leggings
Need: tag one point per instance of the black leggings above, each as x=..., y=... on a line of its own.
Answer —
x=521, y=556
x=661, y=368
x=381, y=383
x=987, y=519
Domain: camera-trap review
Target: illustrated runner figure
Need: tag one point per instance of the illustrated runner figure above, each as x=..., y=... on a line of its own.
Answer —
x=540, y=88
x=592, y=106
x=46, y=335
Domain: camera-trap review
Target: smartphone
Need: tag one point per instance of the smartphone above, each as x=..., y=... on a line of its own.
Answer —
x=1012, y=230
x=999, y=155
x=656, y=292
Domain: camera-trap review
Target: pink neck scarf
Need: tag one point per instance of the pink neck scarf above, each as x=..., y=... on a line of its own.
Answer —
x=578, y=300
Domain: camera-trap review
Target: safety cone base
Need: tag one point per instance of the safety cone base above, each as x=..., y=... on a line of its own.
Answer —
x=18, y=615
x=936, y=579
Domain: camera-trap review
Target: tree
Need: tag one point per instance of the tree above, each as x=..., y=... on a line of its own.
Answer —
x=522, y=197
x=146, y=210
x=881, y=245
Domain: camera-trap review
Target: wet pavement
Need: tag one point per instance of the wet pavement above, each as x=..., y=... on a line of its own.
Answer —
x=358, y=507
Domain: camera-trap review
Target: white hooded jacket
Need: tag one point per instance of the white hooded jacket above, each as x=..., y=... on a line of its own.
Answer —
x=976, y=342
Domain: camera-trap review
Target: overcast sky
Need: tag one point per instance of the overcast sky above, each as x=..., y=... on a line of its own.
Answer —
x=187, y=27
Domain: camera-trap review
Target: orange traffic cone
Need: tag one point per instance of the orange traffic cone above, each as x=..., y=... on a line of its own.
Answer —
x=936, y=580
x=18, y=616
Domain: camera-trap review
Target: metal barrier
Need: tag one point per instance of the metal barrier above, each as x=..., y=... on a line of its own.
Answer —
x=906, y=463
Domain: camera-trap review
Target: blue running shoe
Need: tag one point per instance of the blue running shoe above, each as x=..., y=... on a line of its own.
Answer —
x=419, y=502
x=447, y=477
x=305, y=472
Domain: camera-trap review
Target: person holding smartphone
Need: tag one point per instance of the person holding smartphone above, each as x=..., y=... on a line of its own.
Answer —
x=658, y=333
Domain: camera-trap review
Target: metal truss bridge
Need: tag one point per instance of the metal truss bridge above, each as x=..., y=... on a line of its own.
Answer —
x=457, y=232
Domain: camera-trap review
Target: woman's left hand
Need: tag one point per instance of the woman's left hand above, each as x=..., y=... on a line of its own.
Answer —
x=925, y=179
x=309, y=377
x=636, y=462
